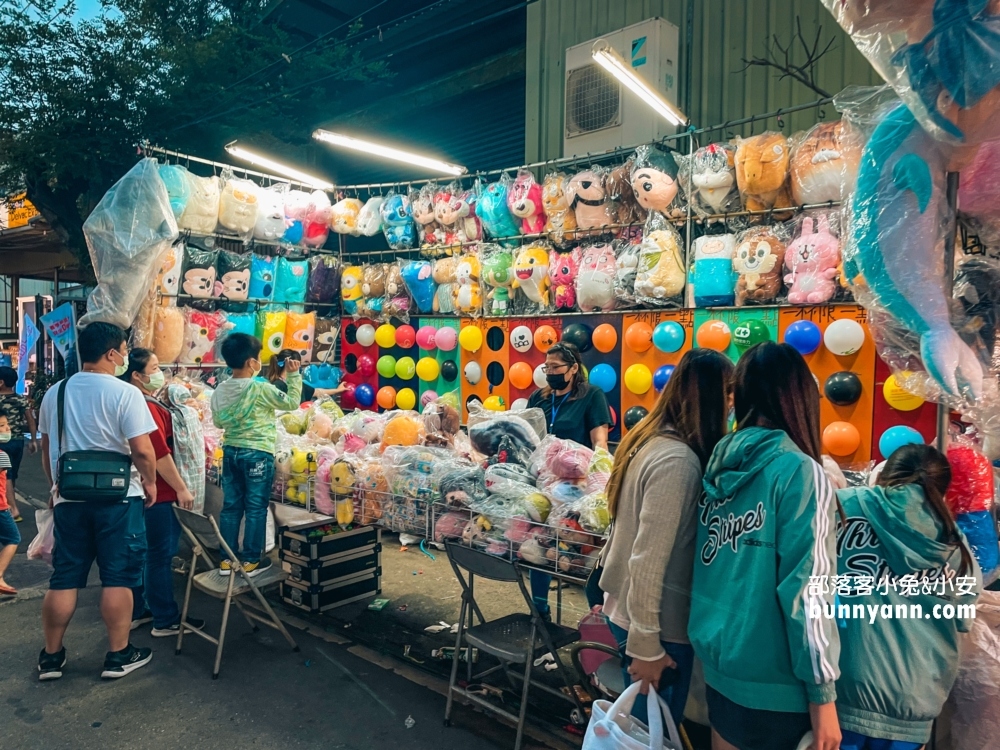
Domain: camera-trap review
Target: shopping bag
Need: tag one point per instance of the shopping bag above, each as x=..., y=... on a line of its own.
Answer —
x=613, y=728
x=45, y=540
x=269, y=532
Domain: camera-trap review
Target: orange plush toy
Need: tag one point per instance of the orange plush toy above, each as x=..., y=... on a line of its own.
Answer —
x=762, y=171
x=824, y=164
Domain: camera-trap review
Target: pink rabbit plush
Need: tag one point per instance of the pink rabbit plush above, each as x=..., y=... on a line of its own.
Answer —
x=524, y=200
x=811, y=261
x=563, y=269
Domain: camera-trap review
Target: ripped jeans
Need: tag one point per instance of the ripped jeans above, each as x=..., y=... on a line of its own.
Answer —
x=247, y=476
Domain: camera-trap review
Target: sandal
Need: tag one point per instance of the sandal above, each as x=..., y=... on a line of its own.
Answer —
x=8, y=591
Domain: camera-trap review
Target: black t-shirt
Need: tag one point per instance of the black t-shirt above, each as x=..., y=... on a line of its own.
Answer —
x=575, y=417
x=307, y=390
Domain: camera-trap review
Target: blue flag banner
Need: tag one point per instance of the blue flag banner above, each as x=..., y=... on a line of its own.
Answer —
x=29, y=337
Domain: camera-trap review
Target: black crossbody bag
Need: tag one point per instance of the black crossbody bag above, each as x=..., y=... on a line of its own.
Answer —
x=90, y=476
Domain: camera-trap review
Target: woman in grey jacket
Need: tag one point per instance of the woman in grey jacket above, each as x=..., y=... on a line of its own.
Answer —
x=653, y=499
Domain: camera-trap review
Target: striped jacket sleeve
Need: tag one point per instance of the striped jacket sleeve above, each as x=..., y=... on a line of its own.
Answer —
x=806, y=543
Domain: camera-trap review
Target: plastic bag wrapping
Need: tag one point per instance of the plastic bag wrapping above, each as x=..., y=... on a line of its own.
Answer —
x=233, y=279
x=939, y=57
x=594, y=286
x=296, y=206
x=201, y=212
x=363, y=426
x=402, y=428
x=762, y=171
x=397, y=222
x=563, y=543
x=370, y=217
x=238, y=205
x=759, y=263
x=324, y=279
x=144, y=325
x=455, y=213
x=709, y=175
x=711, y=274
x=372, y=299
x=660, y=274
x=271, y=332
x=351, y=296
x=564, y=267
x=977, y=288
x=188, y=442
x=418, y=278
x=981, y=532
x=429, y=232
x=200, y=271
x=971, y=487
x=175, y=180
x=371, y=489
x=979, y=194
x=291, y=280
x=834, y=473
x=491, y=208
x=397, y=297
x=599, y=471
x=168, y=280
x=497, y=263
x=556, y=459
x=201, y=331
x=626, y=270
x=414, y=471
x=127, y=235
x=812, y=261
x=524, y=199
x=824, y=162
x=461, y=483
x=270, y=223
x=344, y=216
x=627, y=211
x=560, y=218
x=316, y=221
x=487, y=428
x=262, y=270
x=442, y=423
x=168, y=334
x=592, y=206
x=531, y=277
x=655, y=180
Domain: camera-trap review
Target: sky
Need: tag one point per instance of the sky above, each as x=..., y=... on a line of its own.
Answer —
x=87, y=9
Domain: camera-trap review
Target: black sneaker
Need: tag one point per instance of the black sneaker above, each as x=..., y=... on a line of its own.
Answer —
x=50, y=666
x=193, y=622
x=120, y=663
x=256, y=568
x=143, y=619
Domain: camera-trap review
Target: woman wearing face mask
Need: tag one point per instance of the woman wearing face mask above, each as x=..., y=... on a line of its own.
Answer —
x=277, y=372
x=154, y=601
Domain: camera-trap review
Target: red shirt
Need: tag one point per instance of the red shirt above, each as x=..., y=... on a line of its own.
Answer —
x=4, y=465
x=163, y=441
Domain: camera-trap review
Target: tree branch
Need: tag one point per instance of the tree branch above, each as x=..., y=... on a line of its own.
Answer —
x=781, y=57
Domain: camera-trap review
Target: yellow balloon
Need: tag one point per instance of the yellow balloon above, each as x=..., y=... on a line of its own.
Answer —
x=495, y=403
x=638, y=379
x=428, y=368
x=471, y=339
x=406, y=399
x=898, y=397
x=385, y=336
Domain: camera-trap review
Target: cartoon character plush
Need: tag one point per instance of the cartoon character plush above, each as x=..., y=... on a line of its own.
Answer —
x=660, y=273
x=200, y=332
x=499, y=275
x=199, y=272
x=626, y=270
x=712, y=272
x=626, y=206
x=491, y=208
x=811, y=260
x=262, y=276
x=270, y=224
x=560, y=221
x=713, y=179
x=296, y=207
x=370, y=216
x=327, y=332
x=300, y=330
x=242, y=323
x=238, y=206
x=531, y=272
x=449, y=213
x=324, y=279
x=759, y=260
x=201, y=212
x=444, y=277
x=397, y=222
x=168, y=334
x=168, y=282
x=350, y=289
x=824, y=164
x=468, y=296
x=419, y=279
x=595, y=283
x=271, y=326
x=344, y=216
x=178, y=187
x=525, y=202
x=563, y=270
x=316, y=223
x=290, y=280
x=422, y=208
x=373, y=288
x=762, y=171
x=234, y=275
x=654, y=179
x=589, y=201
x=397, y=301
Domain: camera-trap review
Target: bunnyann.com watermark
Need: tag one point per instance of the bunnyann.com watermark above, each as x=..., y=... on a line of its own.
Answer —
x=908, y=586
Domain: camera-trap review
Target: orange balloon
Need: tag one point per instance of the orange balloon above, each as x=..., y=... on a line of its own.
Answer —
x=386, y=397
x=604, y=338
x=841, y=438
x=545, y=338
x=521, y=375
x=639, y=337
x=714, y=334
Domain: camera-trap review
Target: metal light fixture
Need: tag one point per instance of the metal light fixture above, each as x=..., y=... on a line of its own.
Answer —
x=388, y=152
x=605, y=56
x=302, y=178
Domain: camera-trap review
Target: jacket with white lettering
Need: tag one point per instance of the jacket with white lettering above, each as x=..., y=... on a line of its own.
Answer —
x=899, y=654
x=765, y=526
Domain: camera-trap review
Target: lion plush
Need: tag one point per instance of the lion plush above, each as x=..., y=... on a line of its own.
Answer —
x=762, y=171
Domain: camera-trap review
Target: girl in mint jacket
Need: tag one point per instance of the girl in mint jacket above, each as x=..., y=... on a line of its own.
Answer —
x=766, y=526
x=907, y=566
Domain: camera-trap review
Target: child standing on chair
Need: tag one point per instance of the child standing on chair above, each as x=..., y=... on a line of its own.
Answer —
x=244, y=408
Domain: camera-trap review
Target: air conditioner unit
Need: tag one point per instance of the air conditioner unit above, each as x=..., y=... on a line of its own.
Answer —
x=600, y=113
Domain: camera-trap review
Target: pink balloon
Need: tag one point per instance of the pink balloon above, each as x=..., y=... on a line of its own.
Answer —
x=366, y=365
x=446, y=339
x=426, y=336
x=428, y=397
x=405, y=336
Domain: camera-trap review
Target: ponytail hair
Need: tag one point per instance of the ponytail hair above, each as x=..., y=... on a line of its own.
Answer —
x=275, y=370
x=138, y=358
x=927, y=467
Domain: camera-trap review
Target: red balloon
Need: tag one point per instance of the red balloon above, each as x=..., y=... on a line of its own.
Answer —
x=406, y=336
x=366, y=365
x=347, y=398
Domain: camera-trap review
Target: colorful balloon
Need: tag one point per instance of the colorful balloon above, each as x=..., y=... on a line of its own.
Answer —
x=365, y=334
x=605, y=338
x=662, y=376
x=386, y=397
x=471, y=339
x=348, y=399
x=427, y=396
x=428, y=369
x=539, y=377
x=545, y=338
x=604, y=376
x=520, y=375
x=519, y=405
x=638, y=379
x=714, y=334
x=494, y=403
x=634, y=415
x=841, y=438
x=639, y=337
x=366, y=365
x=579, y=335
x=365, y=395
x=896, y=437
x=406, y=337
x=750, y=333
x=406, y=398
x=386, y=366
x=898, y=397
x=385, y=336
x=803, y=336
x=668, y=336
x=843, y=388
x=521, y=339
x=405, y=368
x=473, y=373
x=446, y=339
x=449, y=371
x=844, y=337
x=426, y=336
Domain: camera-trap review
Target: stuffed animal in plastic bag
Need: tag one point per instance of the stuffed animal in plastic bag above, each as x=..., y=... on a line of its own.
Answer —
x=344, y=216
x=370, y=216
x=296, y=208
x=397, y=222
x=300, y=330
x=270, y=224
x=660, y=274
x=531, y=272
x=168, y=281
x=271, y=326
x=200, y=332
x=419, y=279
x=168, y=334
x=712, y=271
x=291, y=280
x=351, y=294
x=234, y=275
x=654, y=179
x=199, y=271
x=178, y=187
x=373, y=288
x=468, y=295
x=498, y=273
x=713, y=179
x=238, y=206
x=443, y=276
x=242, y=323
x=759, y=261
x=450, y=212
x=812, y=261
x=316, y=225
x=626, y=271
x=492, y=210
x=397, y=300
x=201, y=212
x=626, y=207
x=470, y=226
x=590, y=202
x=762, y=171
x=262, y=276
x=560, y=218
x=402, y=429
x=325, y=339
x=595, y=282
x=324, y=279
x=422, y=208
x=525, y=203
x=563, y=270
x=824, y=163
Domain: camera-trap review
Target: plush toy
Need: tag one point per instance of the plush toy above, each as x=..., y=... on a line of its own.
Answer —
x=812, y=260
x=563, y=270
x=713, y=179
x=234, y=275
x=168, y=281
x=626, y=271
x=370, y=216
x=531, y=272
x=373, y=288
x=626, y=207
x=660, y=274
x=419, y=279
x=824, y=163
x=271, y=332
x=238, y=206
x=325, y=339
x=712, y=272
x=442, y=423
x=290, y=280
x=296, y=207
x=350, y=289
x=262, y=277
x=595, y=282
x=320, y=426
x=397, y=222
x=344, y=216
x=324, y=279
x=402, y=429
x=201, y=212
x=200, y=332
x=470, y=226
x=654, y=179
x=199, y=271
x=762, y=171
x=300, y=330
x=168, y=334
x=525, y=203
x=560, y=221
x=491, y=208
x=589, y=201
x=242, y=323
x=422, y=208
x=498, y=274
x=270, y=224
x=468, y=295
x=178, y=187
x=443, y=276
x=316, y=225
x=397, y=300
x=759, y=261
x=451, y=213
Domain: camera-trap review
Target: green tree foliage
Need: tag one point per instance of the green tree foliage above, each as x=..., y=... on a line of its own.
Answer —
x=76, y=97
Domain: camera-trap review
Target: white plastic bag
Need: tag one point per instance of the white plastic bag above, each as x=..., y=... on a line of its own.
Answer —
x=613, y=728
x=45, y=541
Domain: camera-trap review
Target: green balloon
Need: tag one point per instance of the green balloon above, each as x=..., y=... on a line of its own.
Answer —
x=386, y=366
x=405, y=368
x=750, y=332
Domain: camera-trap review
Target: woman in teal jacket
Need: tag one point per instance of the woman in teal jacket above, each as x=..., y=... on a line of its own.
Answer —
x=766, y=526
x=908, y=567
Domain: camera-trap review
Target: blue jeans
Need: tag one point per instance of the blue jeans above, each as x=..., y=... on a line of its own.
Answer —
x=539, y=583
x=8, y=529
x=163, y=532
x=247, y=476
x=854, y=741
x=673, y=685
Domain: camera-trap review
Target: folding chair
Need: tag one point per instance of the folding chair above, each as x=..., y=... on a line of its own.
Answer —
x=204, y=534
x=513, y=639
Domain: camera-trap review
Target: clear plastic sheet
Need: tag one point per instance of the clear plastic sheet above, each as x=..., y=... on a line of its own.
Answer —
x=525, y=203
x=491, y=208
x=370, y=216
x=127, y=235
x=661, y=270
x=560, y=218
x=175, y=180
x=595, y=280
x=397, y=222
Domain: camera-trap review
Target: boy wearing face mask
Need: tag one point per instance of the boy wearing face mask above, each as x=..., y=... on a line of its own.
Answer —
x=10, y=537
x=244, y=408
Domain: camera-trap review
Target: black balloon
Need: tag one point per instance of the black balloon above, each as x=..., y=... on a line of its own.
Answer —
x=634, y=415
x=578, y=335
x=843, y=388
x=449, y=370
